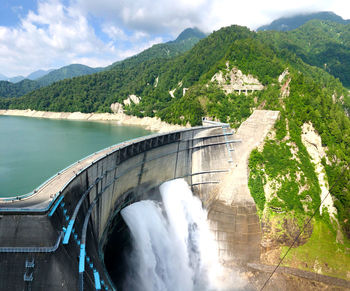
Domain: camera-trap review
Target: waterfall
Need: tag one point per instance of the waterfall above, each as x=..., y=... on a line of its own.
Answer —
x=173, y=249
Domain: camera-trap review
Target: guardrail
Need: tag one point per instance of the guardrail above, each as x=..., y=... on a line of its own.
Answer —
x=33, y=249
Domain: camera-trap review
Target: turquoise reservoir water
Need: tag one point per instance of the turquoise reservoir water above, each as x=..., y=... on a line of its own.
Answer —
x=33, y=149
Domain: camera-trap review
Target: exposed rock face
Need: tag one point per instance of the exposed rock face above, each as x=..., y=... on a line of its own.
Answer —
x=235, y=81
x=117, y=108
x=156, y=82
x=171, y=92
x=184, y=91
x=284, y=80
x=132, y=98
x=283, y=75
x=150, y=123
x=312, y=142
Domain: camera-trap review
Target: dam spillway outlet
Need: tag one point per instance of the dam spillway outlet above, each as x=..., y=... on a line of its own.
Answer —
x=166, y=245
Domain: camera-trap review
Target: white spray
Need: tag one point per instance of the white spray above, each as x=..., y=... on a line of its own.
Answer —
x=173, y=249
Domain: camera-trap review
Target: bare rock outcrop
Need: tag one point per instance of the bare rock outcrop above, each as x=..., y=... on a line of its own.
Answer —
x=117, y=108
x=312, y=142
x=233, y=80
x=132, y=99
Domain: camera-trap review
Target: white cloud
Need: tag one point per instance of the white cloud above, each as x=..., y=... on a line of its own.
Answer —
x=115, y=33
x=157, y=16
x=56, y=34
x=168, y=16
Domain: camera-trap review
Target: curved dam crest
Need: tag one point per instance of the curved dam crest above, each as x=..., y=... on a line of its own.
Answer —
x=55, y=239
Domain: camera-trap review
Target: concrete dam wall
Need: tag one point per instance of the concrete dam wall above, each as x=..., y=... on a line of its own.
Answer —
x=55, y=238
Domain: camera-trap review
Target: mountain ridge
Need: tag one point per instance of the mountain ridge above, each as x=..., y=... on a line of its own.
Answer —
x=185, y=41
x=293, y=22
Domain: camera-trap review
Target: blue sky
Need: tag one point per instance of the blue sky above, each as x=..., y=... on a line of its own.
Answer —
x=45, y=34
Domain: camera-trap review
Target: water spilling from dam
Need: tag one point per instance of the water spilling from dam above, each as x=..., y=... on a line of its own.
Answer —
x=171, y=245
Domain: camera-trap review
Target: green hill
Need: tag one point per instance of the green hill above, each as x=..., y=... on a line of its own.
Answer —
x=293, y=22
x=319, y=43
x=8, y=89
x=185, y=41
x=66, y=72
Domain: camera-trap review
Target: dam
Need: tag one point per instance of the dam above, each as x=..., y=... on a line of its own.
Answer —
x=56, y=238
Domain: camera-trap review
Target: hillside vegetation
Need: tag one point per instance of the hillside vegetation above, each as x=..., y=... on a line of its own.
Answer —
x=293, y=22
x=319, y=43
x=17, y=89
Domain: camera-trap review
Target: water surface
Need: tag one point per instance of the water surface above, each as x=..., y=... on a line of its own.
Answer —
x=34, y=149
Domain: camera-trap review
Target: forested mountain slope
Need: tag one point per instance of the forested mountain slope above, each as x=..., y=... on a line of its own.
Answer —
x=293, y=22
x=66, y=72
x=319, y=43
x=9, y=89
x=286, y=182
x=184, y=42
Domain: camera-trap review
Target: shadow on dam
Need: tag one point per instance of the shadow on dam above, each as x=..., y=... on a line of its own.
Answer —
x=165, y=243
x=119, y=244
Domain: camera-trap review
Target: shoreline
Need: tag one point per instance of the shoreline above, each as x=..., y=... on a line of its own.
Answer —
x=149, y=123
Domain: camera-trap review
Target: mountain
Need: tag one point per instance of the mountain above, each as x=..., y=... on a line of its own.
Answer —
x=38, y=74
x=190, y=33
x=12, y=79
x=32, y=76
x=324, y=44
x=66, y=72
x=22, y=87
x=293, y=22
x=185, y=41
x=3, y=77
x=16, y=79
x=8, y=89
x=207, y=81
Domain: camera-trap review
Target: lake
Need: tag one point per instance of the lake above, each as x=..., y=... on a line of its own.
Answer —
x=34, y=149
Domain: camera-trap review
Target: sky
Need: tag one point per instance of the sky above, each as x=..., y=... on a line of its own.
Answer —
x=46, y=34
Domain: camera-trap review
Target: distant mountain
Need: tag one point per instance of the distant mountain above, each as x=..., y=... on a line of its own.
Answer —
x=22, y=87
x=8, y=89
x=32, y=76
x=324, y=44
x=66, y=72
x=184, y=42
x=293, y=22
x=3, y=77
x=189, y=33
x=16, y=79
x=38, y=74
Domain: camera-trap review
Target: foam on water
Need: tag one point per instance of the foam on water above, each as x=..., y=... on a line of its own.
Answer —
x=173, y=248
